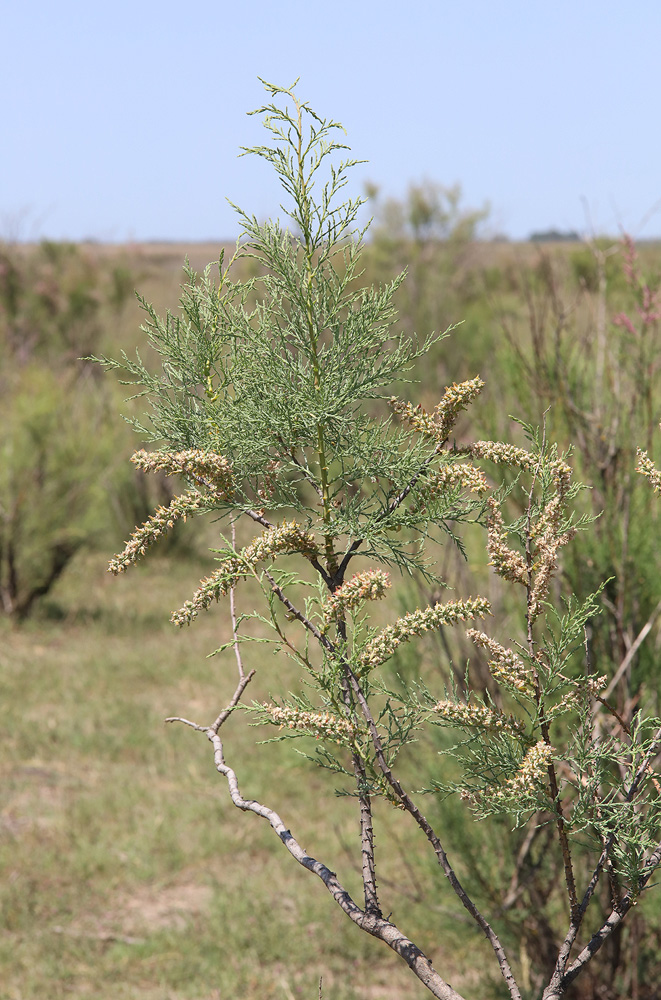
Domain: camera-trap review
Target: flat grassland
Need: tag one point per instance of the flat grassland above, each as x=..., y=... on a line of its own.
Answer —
x=126, y=871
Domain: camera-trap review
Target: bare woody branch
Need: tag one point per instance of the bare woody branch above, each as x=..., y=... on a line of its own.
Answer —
x=371, y=922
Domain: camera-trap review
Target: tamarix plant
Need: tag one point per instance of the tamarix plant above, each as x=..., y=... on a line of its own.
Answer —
x=274, y=404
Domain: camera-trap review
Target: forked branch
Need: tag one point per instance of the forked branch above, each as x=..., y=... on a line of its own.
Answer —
x=371, y=922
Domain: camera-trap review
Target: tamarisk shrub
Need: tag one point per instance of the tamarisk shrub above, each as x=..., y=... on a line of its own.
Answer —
x=274, y=402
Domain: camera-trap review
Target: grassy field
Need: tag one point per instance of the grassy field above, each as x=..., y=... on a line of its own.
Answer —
x=126, y=871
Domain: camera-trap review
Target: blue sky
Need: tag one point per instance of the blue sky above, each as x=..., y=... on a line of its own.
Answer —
x=123, y=120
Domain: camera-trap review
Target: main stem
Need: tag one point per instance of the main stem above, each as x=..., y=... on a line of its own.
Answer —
x=366, y=823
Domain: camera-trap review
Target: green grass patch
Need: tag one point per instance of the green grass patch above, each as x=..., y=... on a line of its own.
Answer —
x=127, y=872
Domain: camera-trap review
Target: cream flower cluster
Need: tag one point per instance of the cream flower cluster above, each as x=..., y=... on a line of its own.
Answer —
x=458, y=474
x=370, y=585
x=213, y=470
x=160, y=521
x=584, y=688
x=478, y=717
x=531, y=774
x=518, y=458
x=456, y=398
x=548, y=539
x=419, y=419
x=546, y=533
x=646, y=467
x=504, y=454
x=286, y=537
x=505, y=666
x=321, y=725
x=439, y=423
x=519, y=791
x=562, y=474
x=507, y=563
x=386, y=642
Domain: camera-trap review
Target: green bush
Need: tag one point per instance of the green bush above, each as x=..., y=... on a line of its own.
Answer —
x=58, y=449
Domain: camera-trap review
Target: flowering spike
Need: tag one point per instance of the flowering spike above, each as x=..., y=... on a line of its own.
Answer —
x=317, y=724
x=160, y=521
x=506, y=667
x=439, y=423
x=455, y=399
x=456, y=474
x=532, y=772
x=478, y=717
x=285, y=537
x=386, y=642
x=504, y=454
x=214, y=471
x=507, y=563
x=370, y=585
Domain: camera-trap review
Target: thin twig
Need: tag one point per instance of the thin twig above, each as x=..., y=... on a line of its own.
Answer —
x=368, y=866
x=307, y=475
x=237, y=650
x=515, y=887
x=368, y=863
x=570, y=880
x=236, y=697
x=226, y=712
x=187, y=722
x=559, y=975
x=390, y=509
x=259, y=518
x=293, y=610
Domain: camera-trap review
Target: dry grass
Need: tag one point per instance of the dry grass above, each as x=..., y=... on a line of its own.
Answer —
x=127, y=872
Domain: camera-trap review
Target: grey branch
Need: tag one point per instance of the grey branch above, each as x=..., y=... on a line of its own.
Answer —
x=373, y=923
x=244, y=681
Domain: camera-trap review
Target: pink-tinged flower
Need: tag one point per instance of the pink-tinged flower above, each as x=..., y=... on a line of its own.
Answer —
x=623, y=320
